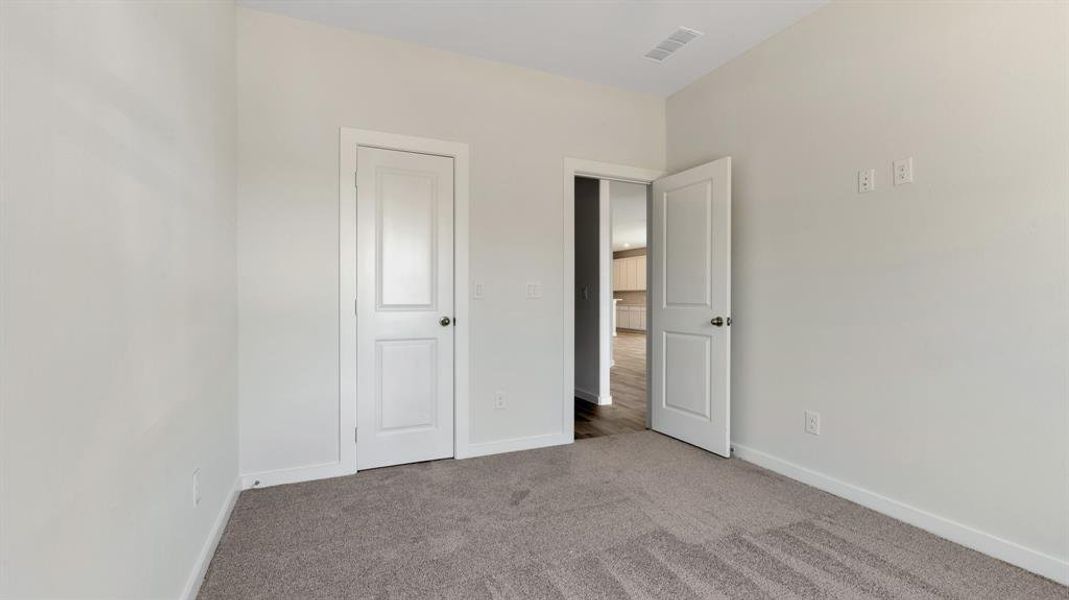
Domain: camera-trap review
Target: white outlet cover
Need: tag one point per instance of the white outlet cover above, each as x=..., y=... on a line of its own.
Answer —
x=812, y=422
x=866, y=180
x=903, y=170
x=499, y=400
x=196, y=487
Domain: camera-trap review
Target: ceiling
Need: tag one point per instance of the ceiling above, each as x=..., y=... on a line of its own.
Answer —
x=593, y=40
x=628, y=202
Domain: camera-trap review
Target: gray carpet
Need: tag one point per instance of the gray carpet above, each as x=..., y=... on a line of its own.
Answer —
x=629, y=516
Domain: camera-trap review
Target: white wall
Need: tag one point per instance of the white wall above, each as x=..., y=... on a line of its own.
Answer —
x=927, y=323
x=119, y=300
x=298, y=83
x=628, y=215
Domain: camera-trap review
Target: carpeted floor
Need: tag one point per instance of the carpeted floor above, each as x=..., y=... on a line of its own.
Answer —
x=635, y=515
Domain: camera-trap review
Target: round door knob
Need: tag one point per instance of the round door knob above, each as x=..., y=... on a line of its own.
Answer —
x=444, y=321
x=718, y=321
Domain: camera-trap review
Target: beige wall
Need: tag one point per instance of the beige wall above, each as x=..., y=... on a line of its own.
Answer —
x=119, y=371
x=298, y=84
x=928, y=323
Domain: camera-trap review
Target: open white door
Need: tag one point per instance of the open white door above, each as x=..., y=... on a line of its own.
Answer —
x=690, y=306
x=404, y=307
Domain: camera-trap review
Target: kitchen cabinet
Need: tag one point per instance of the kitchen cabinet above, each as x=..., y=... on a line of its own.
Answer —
x=631, y=316
x=629, y=274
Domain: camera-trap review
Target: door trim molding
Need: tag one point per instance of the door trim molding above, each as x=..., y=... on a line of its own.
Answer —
x=600, y=170
x=349, y=140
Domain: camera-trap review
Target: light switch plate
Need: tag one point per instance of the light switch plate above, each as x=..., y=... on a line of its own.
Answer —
x=534, y=289
x=903, y=170
x=478, y=290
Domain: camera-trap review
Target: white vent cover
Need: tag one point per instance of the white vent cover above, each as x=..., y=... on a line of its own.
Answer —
x=681, y=37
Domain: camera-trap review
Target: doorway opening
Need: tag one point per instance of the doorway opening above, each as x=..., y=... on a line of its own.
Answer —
x=611, y=232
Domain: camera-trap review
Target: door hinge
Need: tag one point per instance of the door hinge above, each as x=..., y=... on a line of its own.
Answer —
x=356, y=435
x=355, y=311
x=355, y=179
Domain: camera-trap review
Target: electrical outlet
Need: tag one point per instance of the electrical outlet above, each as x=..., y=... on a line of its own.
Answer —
x=534, y=289
x=812, y=422
x=866, y=180
x=196, y=487
x=499, y=400
x=903, y=170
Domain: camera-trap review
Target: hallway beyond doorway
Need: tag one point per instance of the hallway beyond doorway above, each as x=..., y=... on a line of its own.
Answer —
x=627, y=412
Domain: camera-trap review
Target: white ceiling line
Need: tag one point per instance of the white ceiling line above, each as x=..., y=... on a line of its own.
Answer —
x=596, y=41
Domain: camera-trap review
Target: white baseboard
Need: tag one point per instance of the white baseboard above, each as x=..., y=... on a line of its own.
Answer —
x=592, y=397
x=513, y=445
x=264, y=479
x=200, y=568
x=1031, y=560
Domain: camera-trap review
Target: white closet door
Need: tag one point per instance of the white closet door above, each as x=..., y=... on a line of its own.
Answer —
x=690, y=298
x=404, y=307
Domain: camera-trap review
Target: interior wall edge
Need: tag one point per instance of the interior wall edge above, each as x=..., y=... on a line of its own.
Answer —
x=204, y=558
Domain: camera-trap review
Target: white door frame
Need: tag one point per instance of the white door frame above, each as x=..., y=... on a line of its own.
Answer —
x=350, y=139
x=599, y=170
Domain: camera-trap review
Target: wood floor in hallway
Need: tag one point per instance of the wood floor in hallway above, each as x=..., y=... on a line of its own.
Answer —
x=628, y=385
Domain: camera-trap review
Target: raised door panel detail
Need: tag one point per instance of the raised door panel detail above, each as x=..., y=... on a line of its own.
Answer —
x=406, y=388
x=686, y=235
x=407, y=238
x=686, y=374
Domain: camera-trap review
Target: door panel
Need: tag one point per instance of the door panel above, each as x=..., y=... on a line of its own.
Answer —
x=686, y=373
x=404, y=289
x=407, y=249
x=406, y=395
x=687, y=213
x=691, y=285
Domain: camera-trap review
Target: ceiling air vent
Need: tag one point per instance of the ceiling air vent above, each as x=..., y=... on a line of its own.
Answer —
x=681, y=37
